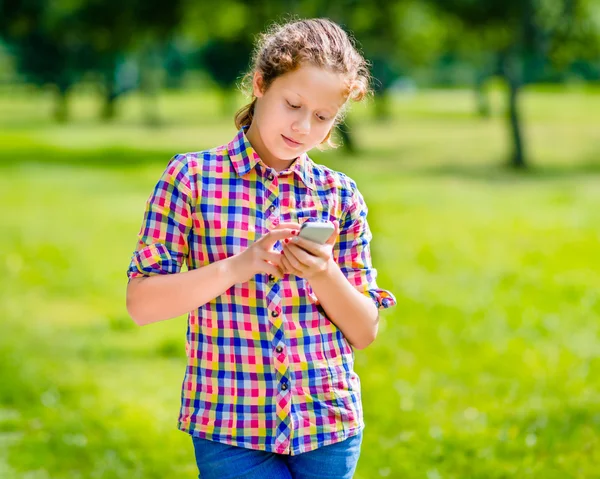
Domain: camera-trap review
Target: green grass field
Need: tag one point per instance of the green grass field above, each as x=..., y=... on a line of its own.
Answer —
x=487, y=368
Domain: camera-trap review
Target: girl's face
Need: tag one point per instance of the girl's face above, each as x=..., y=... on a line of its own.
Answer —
x=295, y=113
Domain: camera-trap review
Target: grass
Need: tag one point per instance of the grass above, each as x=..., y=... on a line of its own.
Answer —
x=485, y=369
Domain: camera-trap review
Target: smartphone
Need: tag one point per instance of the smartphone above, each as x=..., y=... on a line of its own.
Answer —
x=317, y=231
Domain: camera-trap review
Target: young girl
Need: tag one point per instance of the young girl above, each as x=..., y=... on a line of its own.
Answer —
x=270, y=389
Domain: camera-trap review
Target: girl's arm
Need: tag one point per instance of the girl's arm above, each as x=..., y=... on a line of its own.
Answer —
x=164, y=296
x=341, y=275
x=157, y=290
x=352, y=312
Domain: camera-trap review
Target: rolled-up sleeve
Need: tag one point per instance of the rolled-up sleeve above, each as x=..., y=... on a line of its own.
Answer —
x=354, y=254
x=162, y=245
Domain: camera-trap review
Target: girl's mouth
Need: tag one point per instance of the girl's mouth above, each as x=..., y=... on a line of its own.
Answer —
x=290, y=142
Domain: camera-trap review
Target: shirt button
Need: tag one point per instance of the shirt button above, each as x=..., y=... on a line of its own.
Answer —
x=270, y=177
x=272, y=207
x=278, y=349
x=274, y=314
x=284, y=386
x=271, y=278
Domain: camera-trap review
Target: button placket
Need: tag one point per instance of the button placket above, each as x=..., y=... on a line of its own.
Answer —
x=271, y=212
x=280, y=365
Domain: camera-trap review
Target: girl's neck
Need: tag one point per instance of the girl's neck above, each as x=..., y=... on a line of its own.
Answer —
x=253, y=136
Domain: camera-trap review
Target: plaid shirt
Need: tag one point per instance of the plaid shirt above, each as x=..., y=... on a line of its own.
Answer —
x=266, y=368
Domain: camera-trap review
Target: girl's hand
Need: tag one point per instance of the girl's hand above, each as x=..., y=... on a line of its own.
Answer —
x=260, y=258
x=306, y=258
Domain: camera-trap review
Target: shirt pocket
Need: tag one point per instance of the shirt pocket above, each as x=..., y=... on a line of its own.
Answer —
x=311, y=207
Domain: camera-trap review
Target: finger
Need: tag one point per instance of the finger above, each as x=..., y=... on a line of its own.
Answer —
x=309, y=246
x=288, y=267
x=334, y=236
x=285, y=265
x=289, y=224
x=270, y=256
x=273, y=236
x=273, y=270
x=299, y=258
x=292, y=260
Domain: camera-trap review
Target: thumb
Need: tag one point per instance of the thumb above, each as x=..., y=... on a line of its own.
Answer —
x=334, y=236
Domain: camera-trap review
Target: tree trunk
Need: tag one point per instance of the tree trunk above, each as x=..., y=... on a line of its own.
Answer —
x=347, y=139
x=61, y=110
x=513, y=80
x=483, y=102
x=150, y=84
x=382, y=106
x=110, y=96
x=518, y=157
x=108, y=110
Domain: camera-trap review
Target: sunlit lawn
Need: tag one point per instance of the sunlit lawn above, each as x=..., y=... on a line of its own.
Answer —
x=487, y=368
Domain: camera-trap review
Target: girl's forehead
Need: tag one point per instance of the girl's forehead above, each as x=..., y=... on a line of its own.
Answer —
x=315, y=84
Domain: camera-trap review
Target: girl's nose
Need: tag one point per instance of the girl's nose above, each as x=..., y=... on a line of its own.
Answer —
x=302, y=125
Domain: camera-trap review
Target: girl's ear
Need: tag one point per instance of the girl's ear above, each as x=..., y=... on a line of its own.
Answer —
x=257, y=84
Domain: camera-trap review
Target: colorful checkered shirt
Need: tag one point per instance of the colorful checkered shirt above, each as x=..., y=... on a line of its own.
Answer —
x=266, y=368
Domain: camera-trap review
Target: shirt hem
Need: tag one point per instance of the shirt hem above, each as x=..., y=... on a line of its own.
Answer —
x=341, y=436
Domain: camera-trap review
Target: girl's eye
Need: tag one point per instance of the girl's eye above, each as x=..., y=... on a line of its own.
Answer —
x=322, y=118
x=295, y=107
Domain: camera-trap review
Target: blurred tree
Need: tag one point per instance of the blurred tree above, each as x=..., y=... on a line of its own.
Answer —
x=226, y=37
x=56, y=42
x=47, y=51
x=226, y=60
x=374, y=23
x=526, y=35
x=394, y=35
x=115, y=27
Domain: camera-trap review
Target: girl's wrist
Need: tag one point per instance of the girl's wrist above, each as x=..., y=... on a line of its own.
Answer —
x=325, y=275
x=233, y=268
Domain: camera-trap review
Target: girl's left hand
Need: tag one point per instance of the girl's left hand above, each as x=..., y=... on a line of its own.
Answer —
x=306, y=258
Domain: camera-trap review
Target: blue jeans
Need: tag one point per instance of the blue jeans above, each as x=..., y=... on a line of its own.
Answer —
x=222, y=461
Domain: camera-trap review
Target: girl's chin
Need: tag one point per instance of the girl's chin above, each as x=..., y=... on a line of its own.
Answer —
x=286, y=155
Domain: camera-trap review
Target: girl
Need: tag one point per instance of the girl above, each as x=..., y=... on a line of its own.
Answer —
x=270, y=389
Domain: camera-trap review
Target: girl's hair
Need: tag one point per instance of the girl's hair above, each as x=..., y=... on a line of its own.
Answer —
x=318, y=42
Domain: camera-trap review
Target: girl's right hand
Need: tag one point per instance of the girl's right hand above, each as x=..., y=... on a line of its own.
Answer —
x=259, y=258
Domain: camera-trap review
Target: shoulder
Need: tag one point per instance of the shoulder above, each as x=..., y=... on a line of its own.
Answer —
x=187, y=170
x=197, y=161
x=334, y=182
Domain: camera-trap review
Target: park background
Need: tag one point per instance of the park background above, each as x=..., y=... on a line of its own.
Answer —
x=479, y=157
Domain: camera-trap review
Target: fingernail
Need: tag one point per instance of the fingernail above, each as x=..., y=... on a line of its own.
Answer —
x=286, y=240
x=295, y=232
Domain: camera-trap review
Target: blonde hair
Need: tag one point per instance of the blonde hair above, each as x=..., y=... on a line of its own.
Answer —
x=318, y=42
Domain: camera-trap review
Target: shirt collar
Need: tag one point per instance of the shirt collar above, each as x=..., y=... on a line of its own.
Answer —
x=303, y=168
x=242, y=155
x=244, y=158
